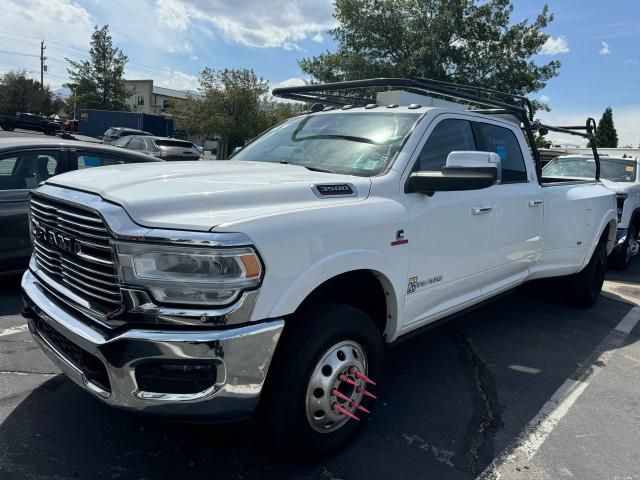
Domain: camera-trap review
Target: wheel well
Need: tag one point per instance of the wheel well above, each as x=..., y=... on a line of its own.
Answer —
x=362, y=289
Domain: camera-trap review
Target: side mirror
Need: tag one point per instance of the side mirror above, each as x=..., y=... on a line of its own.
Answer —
x=463, y=171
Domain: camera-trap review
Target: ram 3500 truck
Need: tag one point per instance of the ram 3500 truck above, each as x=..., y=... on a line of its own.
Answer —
x=270, y=284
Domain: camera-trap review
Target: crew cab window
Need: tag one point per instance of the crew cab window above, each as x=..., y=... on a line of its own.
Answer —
x=24, y=170
x=448, y=136
x=502, y=141
x=98, y=159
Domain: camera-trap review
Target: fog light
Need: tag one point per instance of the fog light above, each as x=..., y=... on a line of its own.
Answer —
x=176, y=377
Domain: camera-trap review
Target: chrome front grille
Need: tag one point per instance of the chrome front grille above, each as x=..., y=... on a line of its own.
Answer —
x=72, y=246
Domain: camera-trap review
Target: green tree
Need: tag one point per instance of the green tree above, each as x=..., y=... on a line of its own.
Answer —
x=465, y=41
x=232, y=105
x=606, y=135
x=98, y=81
x=18, y=93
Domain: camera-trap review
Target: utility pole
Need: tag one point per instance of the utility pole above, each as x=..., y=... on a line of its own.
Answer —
x=43, y=67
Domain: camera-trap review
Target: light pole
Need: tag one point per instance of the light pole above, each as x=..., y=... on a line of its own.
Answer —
x=74, y=102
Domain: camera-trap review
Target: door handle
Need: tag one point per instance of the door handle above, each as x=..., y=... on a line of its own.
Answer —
x=480, y=210
x=535, y=203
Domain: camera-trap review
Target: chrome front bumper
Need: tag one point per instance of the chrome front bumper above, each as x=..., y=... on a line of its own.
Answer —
x=241, y=357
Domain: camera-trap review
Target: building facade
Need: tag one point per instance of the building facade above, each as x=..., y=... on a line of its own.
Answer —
x=147, y=98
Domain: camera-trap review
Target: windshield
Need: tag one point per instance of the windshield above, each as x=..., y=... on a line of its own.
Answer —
x=614, y=170
x=361, y=143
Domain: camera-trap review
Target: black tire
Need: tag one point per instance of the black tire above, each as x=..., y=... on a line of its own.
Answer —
x=8, y=127
x=621, y=256
x=305, y=344
x=586, y=285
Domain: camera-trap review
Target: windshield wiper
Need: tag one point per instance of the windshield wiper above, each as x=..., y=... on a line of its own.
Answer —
x=313, y=169
x=350, y=138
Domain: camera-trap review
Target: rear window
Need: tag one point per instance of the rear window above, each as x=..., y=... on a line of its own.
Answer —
x=174, y=143
x=613, y=170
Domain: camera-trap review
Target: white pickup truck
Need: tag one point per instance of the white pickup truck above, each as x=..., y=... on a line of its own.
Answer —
x=270, y=284
x=620, y=175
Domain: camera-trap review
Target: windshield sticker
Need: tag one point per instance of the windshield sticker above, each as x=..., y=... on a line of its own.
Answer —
x=628, y=168
x=501, y=150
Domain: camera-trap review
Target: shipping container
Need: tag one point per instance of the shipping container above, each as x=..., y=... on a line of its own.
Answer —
x=95, y=122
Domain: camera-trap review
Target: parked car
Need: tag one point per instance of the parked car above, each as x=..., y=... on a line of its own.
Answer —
x=24, y=163
x=71, y=126
x=161, y=147
x=29, y=121
x=201, y=290
x=620, y=175
x=115, y=133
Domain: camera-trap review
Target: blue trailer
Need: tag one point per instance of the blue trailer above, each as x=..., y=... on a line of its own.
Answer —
x=94, y=123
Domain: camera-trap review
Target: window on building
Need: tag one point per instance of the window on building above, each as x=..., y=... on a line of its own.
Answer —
x=140, y=100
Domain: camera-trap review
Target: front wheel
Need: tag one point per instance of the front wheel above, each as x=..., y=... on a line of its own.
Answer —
x=586, y=285
x=323, y=382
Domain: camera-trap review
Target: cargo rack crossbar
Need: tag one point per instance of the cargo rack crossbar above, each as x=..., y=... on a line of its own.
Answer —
x=492, y=102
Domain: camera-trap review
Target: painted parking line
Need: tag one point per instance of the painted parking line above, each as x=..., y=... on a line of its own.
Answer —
x=12, y=330
x=549, y=416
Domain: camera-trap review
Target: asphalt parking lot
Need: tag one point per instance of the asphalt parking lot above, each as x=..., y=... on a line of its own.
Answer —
x=455, y=400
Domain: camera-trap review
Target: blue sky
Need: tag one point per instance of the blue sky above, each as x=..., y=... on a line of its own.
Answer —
x=172, y=40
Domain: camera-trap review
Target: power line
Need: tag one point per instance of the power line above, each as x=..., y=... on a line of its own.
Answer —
x=7, y=52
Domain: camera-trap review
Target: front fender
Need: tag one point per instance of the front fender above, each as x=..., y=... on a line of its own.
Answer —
x=337, y=264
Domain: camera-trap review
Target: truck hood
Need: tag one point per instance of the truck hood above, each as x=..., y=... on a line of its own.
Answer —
x=618, y=187
x=201, y=195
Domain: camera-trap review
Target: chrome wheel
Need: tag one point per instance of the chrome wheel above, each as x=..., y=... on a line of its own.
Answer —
x=336, y=387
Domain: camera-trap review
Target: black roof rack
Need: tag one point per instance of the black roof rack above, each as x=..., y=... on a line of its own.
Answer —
x=490, y=101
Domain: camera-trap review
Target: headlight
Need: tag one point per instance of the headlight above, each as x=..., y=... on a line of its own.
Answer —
x=189, y=275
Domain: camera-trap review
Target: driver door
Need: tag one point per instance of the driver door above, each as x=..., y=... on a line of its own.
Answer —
x=449, y=232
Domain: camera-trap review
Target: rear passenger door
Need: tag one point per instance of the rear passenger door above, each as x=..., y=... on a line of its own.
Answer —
x=516, y=204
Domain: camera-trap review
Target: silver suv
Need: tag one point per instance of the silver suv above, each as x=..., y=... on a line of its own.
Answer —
x=161, y=147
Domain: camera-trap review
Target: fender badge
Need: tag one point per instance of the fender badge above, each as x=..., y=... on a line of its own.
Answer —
x=400, y=240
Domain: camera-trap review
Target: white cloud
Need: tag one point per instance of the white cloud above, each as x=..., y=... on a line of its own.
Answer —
x=165, y=77
x=605, y=48
x=544, y=99
x=61, y=20
x=555, y=46
x=276, y=23
x=173, y=14
x=318, y=38
x=625, y=118
x=290, y=82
